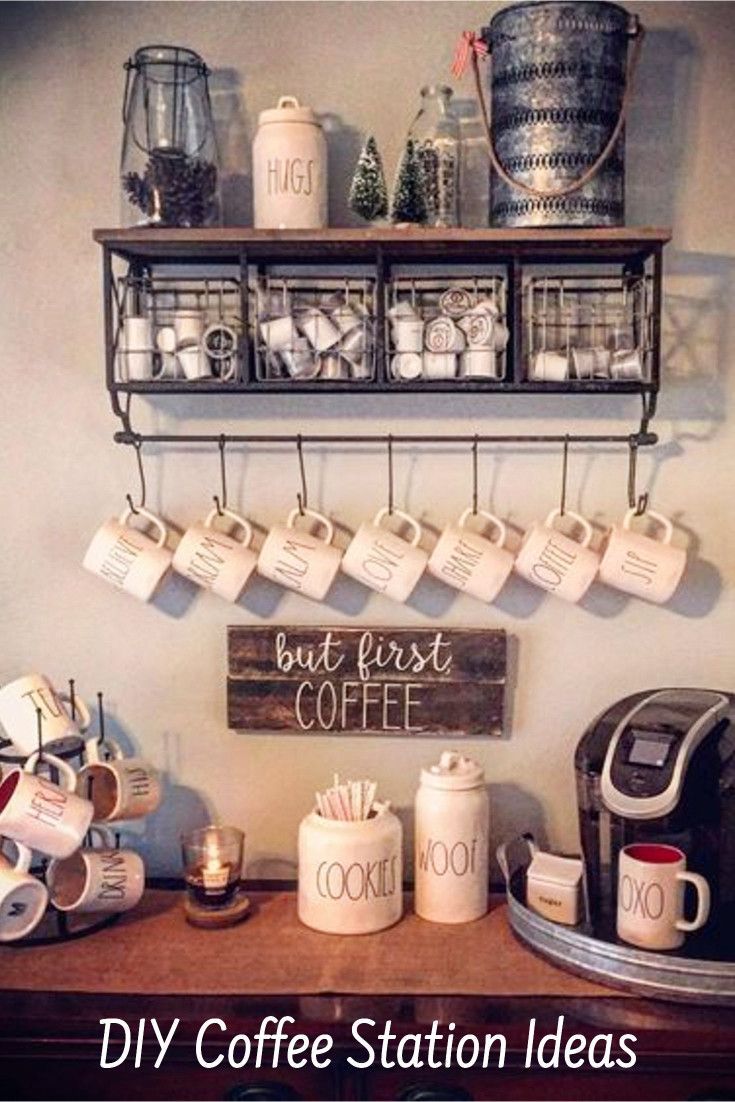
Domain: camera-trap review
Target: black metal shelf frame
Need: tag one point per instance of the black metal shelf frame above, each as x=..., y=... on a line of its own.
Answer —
x=634, y=263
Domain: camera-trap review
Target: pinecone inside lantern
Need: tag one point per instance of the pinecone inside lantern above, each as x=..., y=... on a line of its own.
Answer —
x=175, y=189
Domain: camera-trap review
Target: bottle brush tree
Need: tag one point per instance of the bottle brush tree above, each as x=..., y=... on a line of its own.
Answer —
x=409, y=200
x=368, y=193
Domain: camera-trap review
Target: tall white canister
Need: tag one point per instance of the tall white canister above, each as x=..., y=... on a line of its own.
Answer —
x=451, y=859
x=350, y=873
x=290, y=168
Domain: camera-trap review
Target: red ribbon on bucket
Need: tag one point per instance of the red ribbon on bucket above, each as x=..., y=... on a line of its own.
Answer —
x=469, y=44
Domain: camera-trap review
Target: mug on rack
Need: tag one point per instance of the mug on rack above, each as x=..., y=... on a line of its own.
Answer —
x=116, y=786
x=20, y=701
x=298, y=559
x=384, y=561
x=45, y=816
x=651, y=880
x=556, y=562
x=641, y=565
x=216, y=560
x=126, y=557
x=470, y=561
x=97, y=880
x=23, y=898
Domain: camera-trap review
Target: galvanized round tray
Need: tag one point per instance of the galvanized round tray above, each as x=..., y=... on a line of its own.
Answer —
x=666, y=976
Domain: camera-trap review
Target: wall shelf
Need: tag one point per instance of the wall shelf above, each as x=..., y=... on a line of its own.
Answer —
x=531, y=265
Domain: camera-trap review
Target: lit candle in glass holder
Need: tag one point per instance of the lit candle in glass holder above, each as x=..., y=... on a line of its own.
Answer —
x=213, y=865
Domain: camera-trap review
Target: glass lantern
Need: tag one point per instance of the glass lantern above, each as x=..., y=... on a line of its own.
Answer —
x=436, y=135
x=169, y=169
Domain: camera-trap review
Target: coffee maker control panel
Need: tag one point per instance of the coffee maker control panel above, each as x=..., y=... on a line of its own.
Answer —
x=649, y=751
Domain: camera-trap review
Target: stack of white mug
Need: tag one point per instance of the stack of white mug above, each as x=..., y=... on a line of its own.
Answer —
x=328, y=341
x=186, y=347
x=471, y=555
x=67, y=819
x=464, y=339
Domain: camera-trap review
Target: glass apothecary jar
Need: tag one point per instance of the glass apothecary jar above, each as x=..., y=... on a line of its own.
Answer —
x=436, y=135
x=169, y=168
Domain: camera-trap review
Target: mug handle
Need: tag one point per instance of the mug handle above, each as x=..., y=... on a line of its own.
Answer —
x=240, y=521
x=93, y=746
x=703, y=902
x=65, y=770
x=413, y=524
x=584, y=524
x=24, y=856
x=496, y=522
x=104, y=833
x=151, y=518
x=658, y=517
x=84, y=718
x=296, y=513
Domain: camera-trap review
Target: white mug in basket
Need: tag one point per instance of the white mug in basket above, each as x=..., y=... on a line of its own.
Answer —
x=470, y=561
x=23, y=897
x=194, y=362
x=318, y=328
x=127, y=558
x=42, y=815
x=478, y=363
x=97, y=880
x=550, y=366
x=137, y=348
x=117, y=787
x=556, y=562
x=641, y=565
x=216, y=560
x=22, y=699
x=299, y=560
x=385, y=561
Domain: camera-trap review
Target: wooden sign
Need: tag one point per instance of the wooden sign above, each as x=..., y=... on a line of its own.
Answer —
x=377, y=681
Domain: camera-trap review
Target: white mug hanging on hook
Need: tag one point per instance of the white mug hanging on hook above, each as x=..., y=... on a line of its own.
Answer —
x=22, y=700
x=298, y=559
x=216, y=560
x=564, y=565
x=290, y=168
x=471, y=561
x=385, y=561
x=561, y=564
x=23, y=897
x=118, y=787
x=127, y=558
x=643, y=565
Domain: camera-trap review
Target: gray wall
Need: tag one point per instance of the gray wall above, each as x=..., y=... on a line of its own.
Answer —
x=163, y=666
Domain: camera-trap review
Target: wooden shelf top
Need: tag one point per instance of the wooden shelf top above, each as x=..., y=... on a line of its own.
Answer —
x=412, y=244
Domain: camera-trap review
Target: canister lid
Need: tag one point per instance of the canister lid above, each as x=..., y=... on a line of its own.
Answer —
x=453, y=771
x=288, y=110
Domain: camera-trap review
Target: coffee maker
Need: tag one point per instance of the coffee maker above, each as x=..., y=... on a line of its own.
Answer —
x=660, y=766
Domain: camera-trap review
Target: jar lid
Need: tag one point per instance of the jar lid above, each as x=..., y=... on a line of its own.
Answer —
x=453, y=771
x=288, y=110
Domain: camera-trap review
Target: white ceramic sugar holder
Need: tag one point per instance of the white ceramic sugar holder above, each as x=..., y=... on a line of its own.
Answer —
x=350, y=873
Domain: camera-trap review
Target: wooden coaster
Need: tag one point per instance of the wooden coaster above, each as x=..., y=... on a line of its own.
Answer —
x=214, y=918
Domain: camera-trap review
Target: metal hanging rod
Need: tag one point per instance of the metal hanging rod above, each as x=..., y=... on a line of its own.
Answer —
x=638, y=439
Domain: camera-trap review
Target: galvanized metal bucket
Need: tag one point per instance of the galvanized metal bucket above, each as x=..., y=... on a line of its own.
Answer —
x=560, y=83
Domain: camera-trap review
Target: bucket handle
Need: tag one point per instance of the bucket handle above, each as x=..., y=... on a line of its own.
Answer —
x=638, y=33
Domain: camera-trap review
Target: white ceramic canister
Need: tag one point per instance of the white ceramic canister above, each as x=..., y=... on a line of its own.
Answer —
x=290, y=168
x=350, y=873
x=451, y=855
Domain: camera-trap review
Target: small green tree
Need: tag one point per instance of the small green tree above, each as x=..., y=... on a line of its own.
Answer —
x=368, y=193
x=409, y=200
